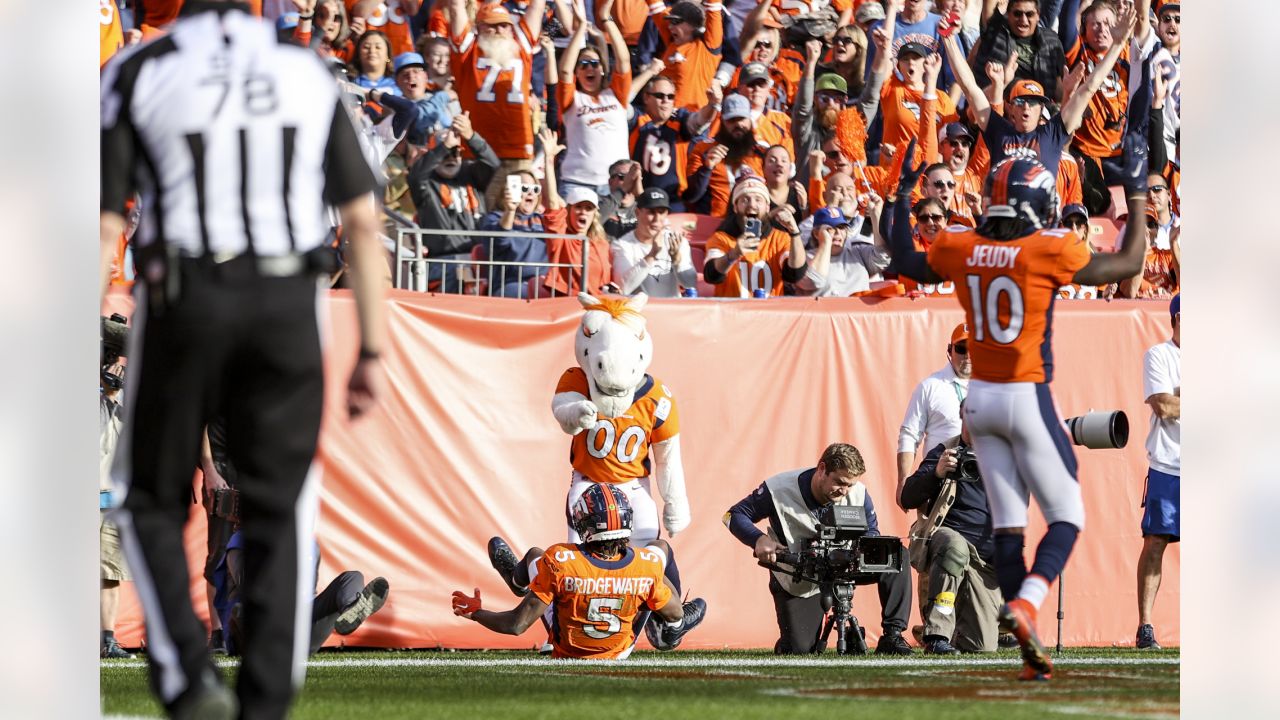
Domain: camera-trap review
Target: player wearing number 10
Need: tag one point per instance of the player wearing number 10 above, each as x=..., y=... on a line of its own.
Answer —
x=1007, y=272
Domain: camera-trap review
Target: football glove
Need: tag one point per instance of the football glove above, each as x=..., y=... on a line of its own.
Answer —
x=464, y=605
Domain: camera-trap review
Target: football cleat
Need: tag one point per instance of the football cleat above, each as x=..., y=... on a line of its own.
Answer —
x=371, y=600
x=1030, y=674
x=664, y=637
x=1019, y=617
x=1022, y=188
x=1147, y=638
x=601, y=513
x=111, y=650
x=505, y=562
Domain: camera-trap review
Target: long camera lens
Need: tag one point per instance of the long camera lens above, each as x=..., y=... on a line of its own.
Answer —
x=1100, y=430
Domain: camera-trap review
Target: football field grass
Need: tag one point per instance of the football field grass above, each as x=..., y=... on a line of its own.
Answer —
x=389, y=685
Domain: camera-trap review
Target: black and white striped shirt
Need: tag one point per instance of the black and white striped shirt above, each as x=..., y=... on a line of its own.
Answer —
x=234, y=140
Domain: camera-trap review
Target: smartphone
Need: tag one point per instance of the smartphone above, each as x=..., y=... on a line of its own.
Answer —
x=753, y=226
x=513, y=185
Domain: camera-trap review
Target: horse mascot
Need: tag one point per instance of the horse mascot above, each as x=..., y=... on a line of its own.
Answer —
x=626, y=432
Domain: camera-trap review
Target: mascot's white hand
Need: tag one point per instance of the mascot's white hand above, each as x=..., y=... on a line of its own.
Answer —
x=585, y=415
x=675, y=516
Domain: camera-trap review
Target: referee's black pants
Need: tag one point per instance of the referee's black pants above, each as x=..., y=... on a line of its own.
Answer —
x=248, y=347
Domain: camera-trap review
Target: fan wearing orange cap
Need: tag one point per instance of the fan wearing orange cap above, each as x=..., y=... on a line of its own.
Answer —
x=492, y=66
x=754, y=250
x=1018, y=133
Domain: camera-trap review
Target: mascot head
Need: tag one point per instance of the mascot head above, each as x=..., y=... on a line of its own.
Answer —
x=613, y=349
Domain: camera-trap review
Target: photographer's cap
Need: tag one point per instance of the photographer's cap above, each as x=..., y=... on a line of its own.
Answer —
x=960, y=333
x=1175, y=306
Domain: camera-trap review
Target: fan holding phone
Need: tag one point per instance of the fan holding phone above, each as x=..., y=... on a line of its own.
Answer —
x=754, y=249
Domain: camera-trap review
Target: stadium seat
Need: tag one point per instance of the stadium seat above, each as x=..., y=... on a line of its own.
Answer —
x=474, y=277
x=1104, y=232
x=699, y=228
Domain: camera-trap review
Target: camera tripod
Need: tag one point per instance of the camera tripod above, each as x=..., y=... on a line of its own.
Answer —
x=837, y=601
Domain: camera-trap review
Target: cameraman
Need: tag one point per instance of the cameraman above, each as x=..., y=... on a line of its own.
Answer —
x=791, y=502
x=952, y=545
x=110, y=421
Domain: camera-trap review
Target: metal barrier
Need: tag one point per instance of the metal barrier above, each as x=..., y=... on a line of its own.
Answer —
x=473, y=275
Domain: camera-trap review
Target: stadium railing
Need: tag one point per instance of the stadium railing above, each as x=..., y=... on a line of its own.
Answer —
x=477, y=274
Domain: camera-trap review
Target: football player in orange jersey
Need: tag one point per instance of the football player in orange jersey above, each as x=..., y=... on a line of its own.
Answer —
x=1007, y=273
x=601, y=589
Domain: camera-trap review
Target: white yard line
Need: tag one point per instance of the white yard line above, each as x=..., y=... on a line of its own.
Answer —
x=690, y=662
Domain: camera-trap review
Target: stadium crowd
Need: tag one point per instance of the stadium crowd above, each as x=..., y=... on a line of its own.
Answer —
x=712, y=145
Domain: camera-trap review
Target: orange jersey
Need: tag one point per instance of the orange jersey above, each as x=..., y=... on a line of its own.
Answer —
x=630, y=16
x=781, y=93
x=616, y=450
x=691, y=65
x=110, y=34
x=596, y=601
x=1007, y=289
x=723, y=176
x=1102, y=131
x=393, y=19
x=901, y=108
x=762, y=268
x=1070, y=191
x=496, y=96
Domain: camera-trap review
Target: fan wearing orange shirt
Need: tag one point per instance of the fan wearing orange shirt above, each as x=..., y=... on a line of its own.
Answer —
x=771, y=127
x=492, y=65
x=601, y=590
x=110, y=34
x=391, y=17
x=901, y=100
x=693, y=37
x=1007, y=273
x=715, y=166
x=755, y=251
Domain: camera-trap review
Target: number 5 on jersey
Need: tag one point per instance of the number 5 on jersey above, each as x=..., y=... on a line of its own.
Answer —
x=986, y=303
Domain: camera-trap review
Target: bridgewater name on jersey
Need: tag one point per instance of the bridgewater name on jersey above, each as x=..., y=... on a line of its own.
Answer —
x=596, y=601
x=616, y=449
x=1007, y=289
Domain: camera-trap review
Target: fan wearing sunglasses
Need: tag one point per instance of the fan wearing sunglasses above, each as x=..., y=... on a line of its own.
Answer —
x=593, y=109
x=938, y=183
x=693, y=35
x=1161, y=272
x=929, y=217
x=1018, y=132
x=660, y=136
x=765, y=45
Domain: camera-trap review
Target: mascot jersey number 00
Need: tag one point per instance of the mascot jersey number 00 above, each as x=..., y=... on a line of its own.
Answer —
x=623, y=421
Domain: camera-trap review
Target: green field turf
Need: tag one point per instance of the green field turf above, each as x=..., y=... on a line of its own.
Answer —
x=516, y=685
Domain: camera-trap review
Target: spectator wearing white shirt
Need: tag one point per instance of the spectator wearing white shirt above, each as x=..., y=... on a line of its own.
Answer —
x=838, y=266
x=934, y=410
x=653, y=258
x=1161, y=525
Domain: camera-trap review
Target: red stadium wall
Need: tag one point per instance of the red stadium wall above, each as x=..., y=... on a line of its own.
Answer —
x=464, y=447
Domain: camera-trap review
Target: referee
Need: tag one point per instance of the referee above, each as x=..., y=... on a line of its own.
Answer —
x=235, y=143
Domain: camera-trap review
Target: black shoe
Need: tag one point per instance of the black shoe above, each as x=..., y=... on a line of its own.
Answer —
x=663, y=637
x=371, y=600
x=938, y=645
x=111, y=650
x=207, y=699
x=1006, y=641
x=892, y=643
x=505, y=562
x=1147, y=638
x=217, y=644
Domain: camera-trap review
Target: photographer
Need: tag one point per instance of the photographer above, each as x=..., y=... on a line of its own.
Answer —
x=111, y=556
x=791, y=502
x=952, y=545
